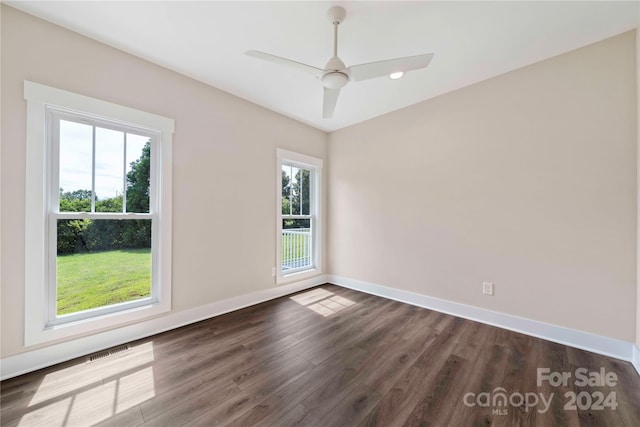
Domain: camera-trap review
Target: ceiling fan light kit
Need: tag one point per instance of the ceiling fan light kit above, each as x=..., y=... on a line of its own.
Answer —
x=336, y=80
x=336, y=75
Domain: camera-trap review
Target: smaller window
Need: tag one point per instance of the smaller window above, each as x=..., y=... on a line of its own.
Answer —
x=298, y=199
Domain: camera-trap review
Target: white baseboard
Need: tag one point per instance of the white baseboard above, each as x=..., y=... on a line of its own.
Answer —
x=50, y=355
x=635, y=360
x=612, y=347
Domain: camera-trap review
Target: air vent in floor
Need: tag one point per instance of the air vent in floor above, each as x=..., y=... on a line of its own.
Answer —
x=108, y=352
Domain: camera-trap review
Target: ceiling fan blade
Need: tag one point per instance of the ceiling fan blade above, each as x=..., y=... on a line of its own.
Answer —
x=329, y=102
x=384, y=68
x=287, y=62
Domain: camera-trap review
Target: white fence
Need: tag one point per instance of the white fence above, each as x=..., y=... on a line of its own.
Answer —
x=296, y=248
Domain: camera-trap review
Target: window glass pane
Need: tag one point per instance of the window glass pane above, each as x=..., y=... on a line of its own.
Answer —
x=296, y=244
x=286, y=190
x=109, y=170
x=138, y=173
x=102, y=262
x=295, y=191
x=299, y=191
x=305, y=188
x=76, y=145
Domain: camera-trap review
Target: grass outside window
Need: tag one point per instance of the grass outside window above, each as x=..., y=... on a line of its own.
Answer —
x=97, y=279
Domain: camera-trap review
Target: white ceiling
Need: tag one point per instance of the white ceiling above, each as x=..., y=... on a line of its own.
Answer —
x=472, y=41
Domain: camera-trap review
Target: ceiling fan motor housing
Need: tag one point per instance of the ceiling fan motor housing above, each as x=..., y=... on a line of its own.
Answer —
x=336, y=76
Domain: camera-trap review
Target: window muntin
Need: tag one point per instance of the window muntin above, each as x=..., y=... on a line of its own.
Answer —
x=100, y=225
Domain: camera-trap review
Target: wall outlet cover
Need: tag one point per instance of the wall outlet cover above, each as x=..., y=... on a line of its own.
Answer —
x=487, y=288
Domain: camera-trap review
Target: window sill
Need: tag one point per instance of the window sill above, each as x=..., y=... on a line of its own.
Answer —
x=37, y=334
x=297, y=276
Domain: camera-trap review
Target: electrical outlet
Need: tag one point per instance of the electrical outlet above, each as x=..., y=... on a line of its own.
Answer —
x=273, y=272
x=487, y=288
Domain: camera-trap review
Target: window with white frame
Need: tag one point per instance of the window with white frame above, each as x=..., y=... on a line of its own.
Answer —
x=98, y=226
x=298, y=199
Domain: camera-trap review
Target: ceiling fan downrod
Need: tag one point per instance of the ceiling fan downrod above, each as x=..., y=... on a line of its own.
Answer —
x=336, y=77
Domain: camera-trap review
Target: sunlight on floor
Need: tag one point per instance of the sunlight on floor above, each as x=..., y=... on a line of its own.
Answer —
x=313, y=295
x=96, y=391
x=133, y=389
x=322, y=301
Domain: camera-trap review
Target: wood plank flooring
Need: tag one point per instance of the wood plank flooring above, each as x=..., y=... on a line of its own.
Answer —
x=328, y=356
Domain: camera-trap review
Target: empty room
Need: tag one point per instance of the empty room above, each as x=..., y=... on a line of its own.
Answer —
x=319, y=213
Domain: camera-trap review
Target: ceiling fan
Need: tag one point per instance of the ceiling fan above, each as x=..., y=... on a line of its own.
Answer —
x=336, y=75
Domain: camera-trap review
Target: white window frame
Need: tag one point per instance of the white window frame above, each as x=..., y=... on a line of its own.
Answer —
x=41, y=211
x=314, y=165
x=53, y=116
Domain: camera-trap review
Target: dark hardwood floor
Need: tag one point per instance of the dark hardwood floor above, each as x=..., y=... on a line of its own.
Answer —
x=330, y=356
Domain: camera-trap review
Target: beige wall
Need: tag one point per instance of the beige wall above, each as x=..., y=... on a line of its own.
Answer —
x=224, y=162
x=526, y=180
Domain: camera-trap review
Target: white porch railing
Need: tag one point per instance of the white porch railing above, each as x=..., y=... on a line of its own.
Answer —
x=296, y=248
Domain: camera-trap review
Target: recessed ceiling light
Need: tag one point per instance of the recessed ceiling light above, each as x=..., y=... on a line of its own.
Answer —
x=396, y=75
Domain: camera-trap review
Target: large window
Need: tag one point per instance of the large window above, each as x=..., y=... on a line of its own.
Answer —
x=98, y=222
x=299, y=223
x=100, y=217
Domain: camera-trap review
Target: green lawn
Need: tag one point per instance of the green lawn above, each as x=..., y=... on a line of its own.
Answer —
x=96, y=279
